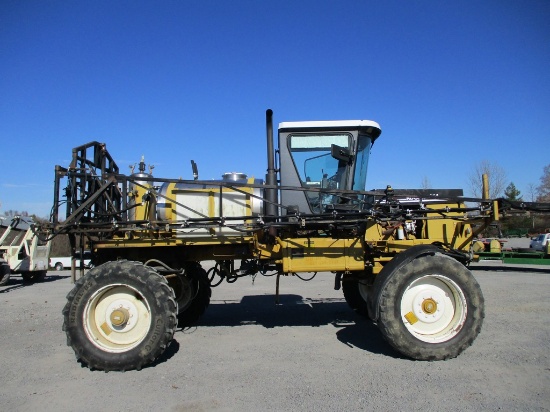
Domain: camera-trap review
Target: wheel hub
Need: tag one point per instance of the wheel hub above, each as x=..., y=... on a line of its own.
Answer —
x=119, y=316
x=429, y=306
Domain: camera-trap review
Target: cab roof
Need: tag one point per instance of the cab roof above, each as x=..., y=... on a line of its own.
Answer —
x=369, y=126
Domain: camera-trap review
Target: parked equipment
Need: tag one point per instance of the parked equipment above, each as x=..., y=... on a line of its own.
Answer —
x=399, y=255
x=21, y=251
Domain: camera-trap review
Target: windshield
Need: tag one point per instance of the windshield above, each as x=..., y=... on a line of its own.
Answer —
x=362, y=162
x=317, y=168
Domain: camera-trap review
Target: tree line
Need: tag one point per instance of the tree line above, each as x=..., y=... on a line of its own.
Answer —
x=516, y=225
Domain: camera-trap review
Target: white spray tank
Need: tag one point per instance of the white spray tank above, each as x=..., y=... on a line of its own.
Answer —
x=179, y=201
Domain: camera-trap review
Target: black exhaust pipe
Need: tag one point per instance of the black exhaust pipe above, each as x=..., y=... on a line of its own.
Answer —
x=271, y=176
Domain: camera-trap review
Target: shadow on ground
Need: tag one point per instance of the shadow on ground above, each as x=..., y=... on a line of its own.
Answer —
x=293, y=311
x=170, y=351
x=16, y=282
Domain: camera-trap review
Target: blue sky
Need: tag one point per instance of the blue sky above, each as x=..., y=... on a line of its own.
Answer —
x=451, y=84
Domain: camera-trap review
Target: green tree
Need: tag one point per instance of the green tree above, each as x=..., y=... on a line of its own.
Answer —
x=512, y=193
x=514, y=225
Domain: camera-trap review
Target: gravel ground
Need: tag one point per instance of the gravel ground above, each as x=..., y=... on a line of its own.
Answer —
x=309, y=353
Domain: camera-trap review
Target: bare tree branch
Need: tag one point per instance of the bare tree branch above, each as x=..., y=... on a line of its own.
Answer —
x=532, y=191
x=543, y=190
x=426, y=183
x=497, y=179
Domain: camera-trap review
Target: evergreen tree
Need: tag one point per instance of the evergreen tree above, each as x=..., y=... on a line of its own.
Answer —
x=512, y=193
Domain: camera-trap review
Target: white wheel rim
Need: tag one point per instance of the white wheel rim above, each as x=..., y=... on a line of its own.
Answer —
x=433, y=308
x=117, y=318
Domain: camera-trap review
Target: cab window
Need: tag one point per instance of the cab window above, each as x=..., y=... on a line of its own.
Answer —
x=313, y=159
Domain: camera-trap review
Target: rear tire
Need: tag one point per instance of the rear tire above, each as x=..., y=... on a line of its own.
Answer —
x=193, y=292
x=5, y=272
x=120, y=316
x=32, y=277
x=431, y=308
x=58, y=266
x=357, y=293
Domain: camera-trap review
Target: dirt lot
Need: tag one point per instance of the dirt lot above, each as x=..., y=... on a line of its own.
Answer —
x=309, y=353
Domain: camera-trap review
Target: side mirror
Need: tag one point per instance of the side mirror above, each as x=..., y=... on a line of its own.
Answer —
x=340, y=153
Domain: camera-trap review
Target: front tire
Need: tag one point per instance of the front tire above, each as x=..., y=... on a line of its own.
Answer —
x=120, y=316
x=431, y=308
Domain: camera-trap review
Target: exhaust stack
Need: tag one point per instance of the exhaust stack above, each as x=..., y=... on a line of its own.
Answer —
x=271, y=176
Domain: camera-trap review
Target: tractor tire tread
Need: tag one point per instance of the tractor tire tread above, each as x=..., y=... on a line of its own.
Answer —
x=393, y=329
x=164, y=312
